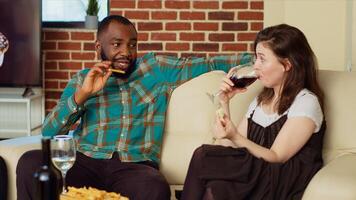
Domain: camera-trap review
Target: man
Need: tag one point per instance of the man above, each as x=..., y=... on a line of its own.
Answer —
x=121, y=116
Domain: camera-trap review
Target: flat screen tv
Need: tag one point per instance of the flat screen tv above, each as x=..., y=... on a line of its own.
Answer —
x=20, y=23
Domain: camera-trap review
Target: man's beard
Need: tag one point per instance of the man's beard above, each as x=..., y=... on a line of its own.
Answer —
x=128, y=72
x=103, y=56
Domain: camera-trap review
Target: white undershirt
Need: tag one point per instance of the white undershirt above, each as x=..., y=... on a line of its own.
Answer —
x=305, y=104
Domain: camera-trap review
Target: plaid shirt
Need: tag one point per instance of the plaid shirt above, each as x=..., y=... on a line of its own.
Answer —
x=128, y=116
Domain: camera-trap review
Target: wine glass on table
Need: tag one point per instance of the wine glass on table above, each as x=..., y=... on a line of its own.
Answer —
x=63, y=155
x=242, y=76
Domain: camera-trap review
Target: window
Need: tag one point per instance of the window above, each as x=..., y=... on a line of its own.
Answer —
x=68, y=13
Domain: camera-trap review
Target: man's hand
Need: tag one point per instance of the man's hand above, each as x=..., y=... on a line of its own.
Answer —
x=94, y=81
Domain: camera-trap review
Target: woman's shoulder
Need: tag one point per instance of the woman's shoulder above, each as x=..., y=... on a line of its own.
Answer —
x=306, y=104
x=251, y=107
x=305, y=100
x=305, y=95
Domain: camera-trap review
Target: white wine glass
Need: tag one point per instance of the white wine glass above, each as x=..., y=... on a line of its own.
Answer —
x=242, y=76
x=63, y=154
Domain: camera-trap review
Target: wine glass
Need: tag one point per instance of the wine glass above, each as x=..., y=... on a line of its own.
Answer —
x=63, y=155
x=242, y=76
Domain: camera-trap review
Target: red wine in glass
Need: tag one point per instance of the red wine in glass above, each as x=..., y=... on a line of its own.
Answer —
x=243, y=82
x=242, y=76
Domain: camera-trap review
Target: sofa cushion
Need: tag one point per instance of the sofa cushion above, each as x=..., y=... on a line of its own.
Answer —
x=11, y=151
x=340, y=107
x=336, y=180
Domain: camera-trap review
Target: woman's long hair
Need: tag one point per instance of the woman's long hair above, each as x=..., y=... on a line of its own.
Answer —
x=288, y=42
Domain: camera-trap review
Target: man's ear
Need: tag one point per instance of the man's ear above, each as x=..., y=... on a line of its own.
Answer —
x=97, y=46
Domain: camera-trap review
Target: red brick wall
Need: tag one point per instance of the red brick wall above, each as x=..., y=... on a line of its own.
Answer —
x=65, y=52
x=173, y=27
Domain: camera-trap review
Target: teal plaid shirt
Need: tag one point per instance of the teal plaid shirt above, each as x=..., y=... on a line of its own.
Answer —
x=128, y=116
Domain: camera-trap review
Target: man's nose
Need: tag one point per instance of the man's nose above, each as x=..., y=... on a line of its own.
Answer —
x=125, y=51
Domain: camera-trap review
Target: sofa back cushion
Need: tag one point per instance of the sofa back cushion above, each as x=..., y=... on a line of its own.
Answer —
x=340, y=112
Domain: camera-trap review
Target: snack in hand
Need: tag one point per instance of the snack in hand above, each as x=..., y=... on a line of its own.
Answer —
x=118, y=71
x=90, y=194
x=220, y=113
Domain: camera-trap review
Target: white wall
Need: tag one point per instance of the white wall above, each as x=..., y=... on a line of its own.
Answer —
x=325, y=24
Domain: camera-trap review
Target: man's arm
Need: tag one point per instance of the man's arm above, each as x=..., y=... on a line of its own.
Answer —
x=70, y=107
x=66, y=112
x=180, y=70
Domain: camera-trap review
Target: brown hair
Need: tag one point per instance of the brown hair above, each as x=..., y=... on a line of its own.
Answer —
x=288, y=42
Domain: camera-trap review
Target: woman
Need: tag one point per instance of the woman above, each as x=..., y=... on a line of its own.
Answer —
x=276, y=149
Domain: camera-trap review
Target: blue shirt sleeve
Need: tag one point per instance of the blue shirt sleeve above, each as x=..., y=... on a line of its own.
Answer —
x=179, y=70
x=66, y=112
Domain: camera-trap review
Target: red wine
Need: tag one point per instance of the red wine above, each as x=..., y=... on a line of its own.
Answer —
x=46, y=178
x=243, y=82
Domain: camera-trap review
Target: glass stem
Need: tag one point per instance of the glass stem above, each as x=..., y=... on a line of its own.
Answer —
x=216, y=99
x=64, y=181
x=218, y=93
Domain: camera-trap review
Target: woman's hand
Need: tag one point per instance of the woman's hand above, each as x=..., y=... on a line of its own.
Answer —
x=224, y=128
x=228, y=89
x=94, y=81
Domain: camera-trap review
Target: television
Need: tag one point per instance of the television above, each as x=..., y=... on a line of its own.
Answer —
x=20, y=23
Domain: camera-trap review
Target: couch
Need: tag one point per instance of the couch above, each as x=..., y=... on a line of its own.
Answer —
x=189, y=123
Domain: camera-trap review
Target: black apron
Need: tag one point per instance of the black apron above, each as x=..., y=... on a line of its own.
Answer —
x=234, y=173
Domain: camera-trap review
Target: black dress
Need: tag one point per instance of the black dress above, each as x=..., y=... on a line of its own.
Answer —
x=234, y=173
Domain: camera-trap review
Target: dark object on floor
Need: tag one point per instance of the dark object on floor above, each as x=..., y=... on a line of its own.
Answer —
x=3, y=179
x=178, y=194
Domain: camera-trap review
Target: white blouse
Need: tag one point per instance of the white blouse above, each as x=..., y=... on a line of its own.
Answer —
x=305, y=104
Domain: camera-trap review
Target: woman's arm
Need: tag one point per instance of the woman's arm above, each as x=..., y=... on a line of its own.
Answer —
x=292, y=137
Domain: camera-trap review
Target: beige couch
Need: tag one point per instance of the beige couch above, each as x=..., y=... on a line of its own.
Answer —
x=189, y=122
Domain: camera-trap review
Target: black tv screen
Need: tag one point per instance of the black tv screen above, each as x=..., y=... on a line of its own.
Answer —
x=20, y=23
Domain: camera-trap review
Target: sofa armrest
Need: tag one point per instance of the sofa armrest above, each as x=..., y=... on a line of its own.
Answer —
x=336, y=180
x=11, y=150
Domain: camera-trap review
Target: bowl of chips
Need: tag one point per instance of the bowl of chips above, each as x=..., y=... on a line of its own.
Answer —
x=90, y=193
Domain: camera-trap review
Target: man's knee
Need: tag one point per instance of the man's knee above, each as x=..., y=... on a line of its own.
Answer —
x=29, y=162
x=158, y=181
x=158, y=184
x=196, y=159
